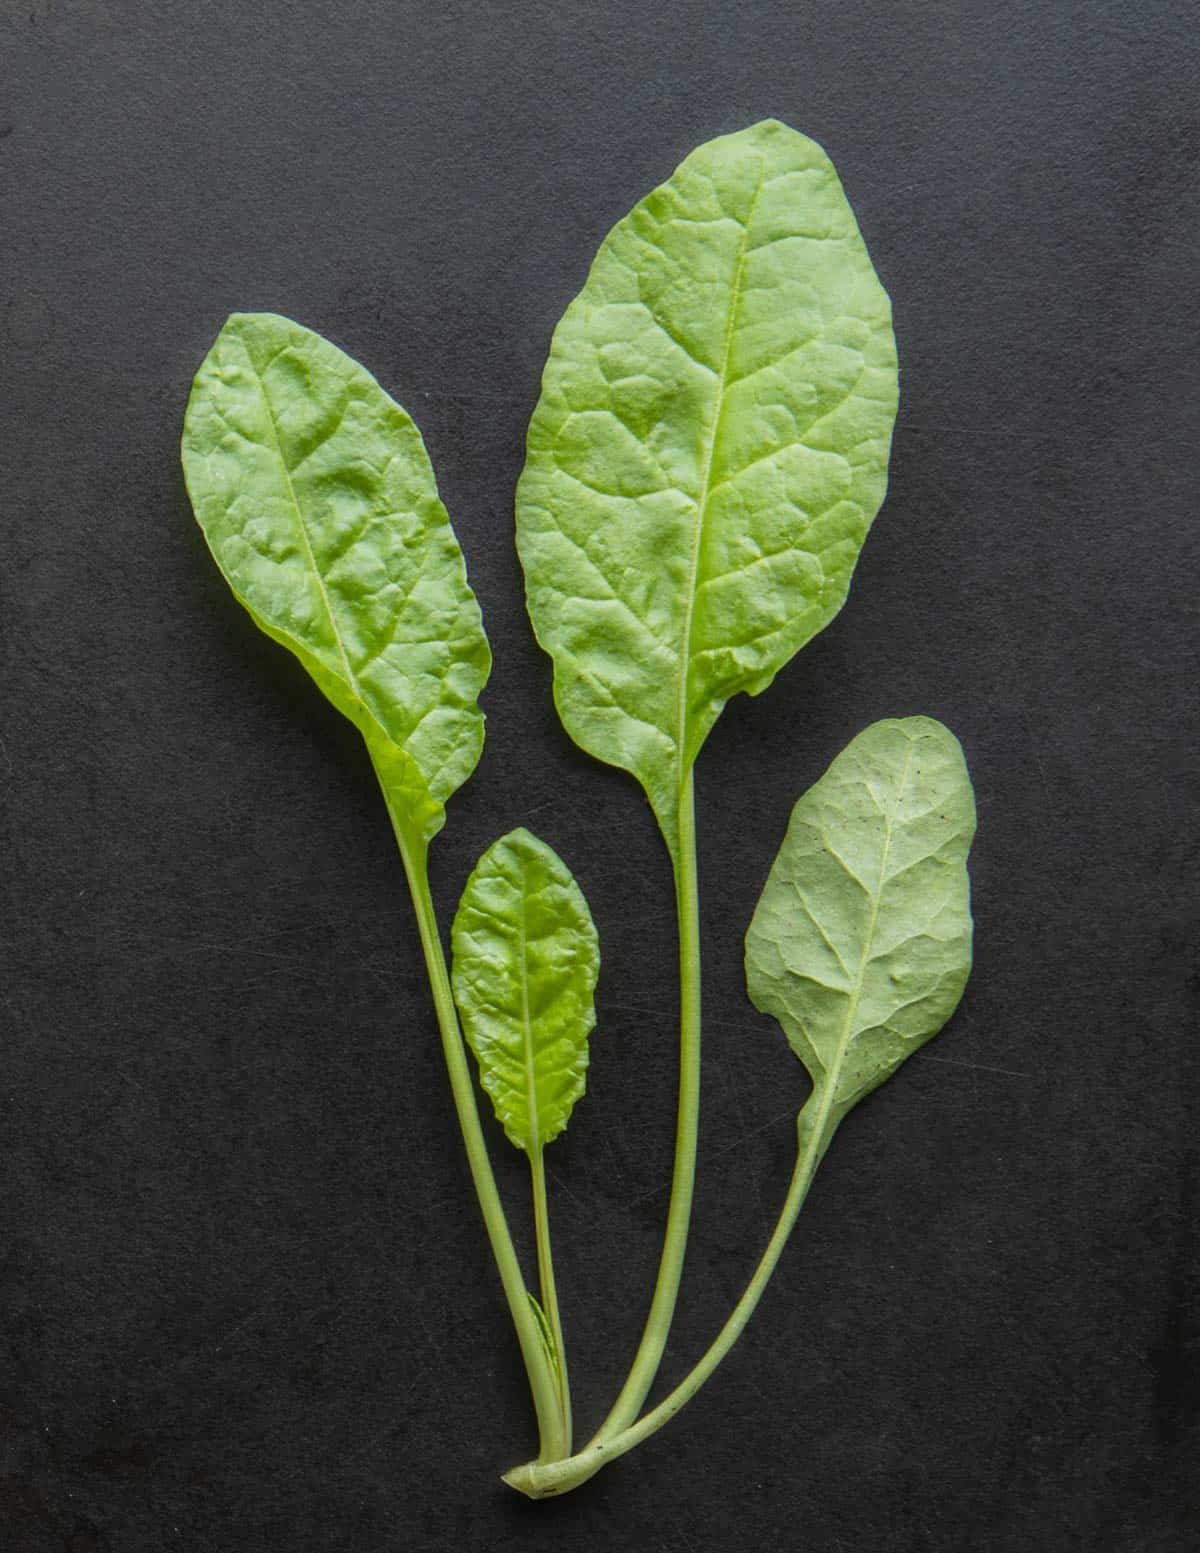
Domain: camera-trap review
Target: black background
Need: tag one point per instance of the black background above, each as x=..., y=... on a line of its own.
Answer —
x=245, y=1301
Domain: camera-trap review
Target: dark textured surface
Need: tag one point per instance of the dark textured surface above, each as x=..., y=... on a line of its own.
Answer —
x=244, y=1300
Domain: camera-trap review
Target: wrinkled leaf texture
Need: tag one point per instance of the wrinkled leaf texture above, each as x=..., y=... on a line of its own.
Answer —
x=860, y=945
x=526, y=959
x=708, y=451
x=318, y=501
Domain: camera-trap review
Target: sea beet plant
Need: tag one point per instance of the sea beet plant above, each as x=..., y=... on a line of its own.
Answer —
x=707, y=455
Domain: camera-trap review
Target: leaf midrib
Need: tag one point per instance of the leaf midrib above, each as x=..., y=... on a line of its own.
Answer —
x=303, y=530
x=833, y=1073
x=685, y=662
x=534, y=1141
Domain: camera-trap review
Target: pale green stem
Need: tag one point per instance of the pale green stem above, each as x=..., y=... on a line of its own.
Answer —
x=541, y=1481
x=552, y=1442
x=662, y=1307
x=541, y=1224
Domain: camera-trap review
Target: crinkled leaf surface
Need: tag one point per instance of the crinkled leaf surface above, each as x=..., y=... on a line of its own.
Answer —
x=526, y=959
x=709, y=448
x=316, y=496
x=861, y=941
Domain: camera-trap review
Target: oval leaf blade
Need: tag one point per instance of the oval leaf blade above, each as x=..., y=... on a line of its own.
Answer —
x=708, y=451
x=526, y=959
x=860, y=944
x=318, y=501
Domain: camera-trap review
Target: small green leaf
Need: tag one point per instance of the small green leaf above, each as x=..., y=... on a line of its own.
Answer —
x=526, y=960
x=861, y=941
x=708, y=452
x=316, y=496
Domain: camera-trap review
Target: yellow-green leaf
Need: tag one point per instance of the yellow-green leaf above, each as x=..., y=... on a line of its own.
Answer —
x=526, y=959
x=318, y=501
x=861, y=942
x=708, y=451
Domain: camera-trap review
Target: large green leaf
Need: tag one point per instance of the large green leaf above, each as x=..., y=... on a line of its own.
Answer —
x=526, y=960
x=316, y=496
x=861, y=942
x=708, y=451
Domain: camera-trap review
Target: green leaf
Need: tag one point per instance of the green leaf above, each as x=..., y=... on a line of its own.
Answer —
x=708, y=451
x=861, y=942
x=526, y=960
x=316, y=496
